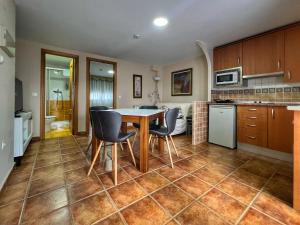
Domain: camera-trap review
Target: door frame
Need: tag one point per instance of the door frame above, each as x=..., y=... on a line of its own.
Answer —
x=42, y=90
x=88, y=62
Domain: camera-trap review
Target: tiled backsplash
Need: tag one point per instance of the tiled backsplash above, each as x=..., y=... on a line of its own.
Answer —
x=200, y=115
x=261, y=89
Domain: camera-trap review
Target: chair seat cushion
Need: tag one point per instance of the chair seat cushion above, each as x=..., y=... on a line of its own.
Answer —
x=123, y=137
x=161, y=131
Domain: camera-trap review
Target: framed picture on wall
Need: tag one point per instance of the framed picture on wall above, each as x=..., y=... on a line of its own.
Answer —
x=182, y=82
x=137, y=86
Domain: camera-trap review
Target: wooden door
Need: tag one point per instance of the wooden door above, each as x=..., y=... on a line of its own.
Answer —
x=292, y=54
x=264, y=54
x=280, y=129
x=228, y=56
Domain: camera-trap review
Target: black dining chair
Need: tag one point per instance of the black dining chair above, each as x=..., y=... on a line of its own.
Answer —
x=165, y=132
x=94, y=108
x=152, y=124
x=107, y=125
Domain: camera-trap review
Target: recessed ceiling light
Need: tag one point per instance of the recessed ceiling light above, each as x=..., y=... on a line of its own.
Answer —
x=111, y=72
x=160, y=21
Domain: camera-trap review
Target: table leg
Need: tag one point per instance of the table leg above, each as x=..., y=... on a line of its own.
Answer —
x=161, y=143
x=144, y=143
x=296, y=195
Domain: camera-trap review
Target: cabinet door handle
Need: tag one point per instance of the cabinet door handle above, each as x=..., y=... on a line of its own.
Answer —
x=289, y=74
x=252, y=117
x=278, y=64
x=238, y=60
x=251, y=125
x=273, y=114
x=251, y=137
x=251, y=109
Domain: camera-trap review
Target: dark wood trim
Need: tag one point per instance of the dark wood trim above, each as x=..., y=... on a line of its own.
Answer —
x=133, y=81
x=42, y=90
x=35, y=139
x=178, y=71
x=82, y=133
x=87, y=111
x=261, y=34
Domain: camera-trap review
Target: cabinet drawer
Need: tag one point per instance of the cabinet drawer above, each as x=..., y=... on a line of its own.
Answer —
x=252, y=125
x=252, y=112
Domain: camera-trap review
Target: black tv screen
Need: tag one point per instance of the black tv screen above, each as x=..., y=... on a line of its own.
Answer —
x=18, y=95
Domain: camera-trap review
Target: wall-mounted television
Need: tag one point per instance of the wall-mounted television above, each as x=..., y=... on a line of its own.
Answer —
x=18, y=95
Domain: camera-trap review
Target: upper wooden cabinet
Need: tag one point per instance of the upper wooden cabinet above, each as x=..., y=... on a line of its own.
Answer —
x=280, y=129
x=292, y=54
x=228, y=56
x=264, y=54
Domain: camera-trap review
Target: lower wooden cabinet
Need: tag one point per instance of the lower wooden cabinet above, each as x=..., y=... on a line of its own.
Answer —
x=252, y=125
x=280, y=129
x=266, y=126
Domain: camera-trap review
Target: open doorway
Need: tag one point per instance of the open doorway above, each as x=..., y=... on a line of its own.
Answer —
x=100, y=85
x=59, y=77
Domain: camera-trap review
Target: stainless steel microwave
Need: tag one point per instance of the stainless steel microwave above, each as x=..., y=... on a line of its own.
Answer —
x=231, y=76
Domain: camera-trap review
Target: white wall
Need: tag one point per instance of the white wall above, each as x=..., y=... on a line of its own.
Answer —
x=28, y=61
x=199, y=66
x=7, y=87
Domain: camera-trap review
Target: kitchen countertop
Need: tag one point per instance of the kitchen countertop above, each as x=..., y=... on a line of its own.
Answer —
x=296, y=104
x=294, y=108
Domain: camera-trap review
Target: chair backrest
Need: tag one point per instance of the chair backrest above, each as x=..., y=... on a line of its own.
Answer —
x=107, y=125
x=148, y=107
x=171, y=117
x=96, y=108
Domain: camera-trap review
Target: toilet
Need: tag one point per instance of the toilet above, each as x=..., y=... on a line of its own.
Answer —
x=48, y=121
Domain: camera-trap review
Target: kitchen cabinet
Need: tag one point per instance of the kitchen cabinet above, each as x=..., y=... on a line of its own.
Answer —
x=266, y=126
x=280, y=129
x=228, y=56
x=252, y=125
x=292, y=54
x=264, y=54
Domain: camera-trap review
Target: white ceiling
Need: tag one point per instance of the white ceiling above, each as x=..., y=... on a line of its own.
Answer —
x=106, y=27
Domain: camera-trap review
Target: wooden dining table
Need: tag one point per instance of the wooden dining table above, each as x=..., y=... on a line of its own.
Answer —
x=142, y=117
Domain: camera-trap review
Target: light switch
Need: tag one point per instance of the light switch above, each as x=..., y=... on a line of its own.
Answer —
x=34, y=94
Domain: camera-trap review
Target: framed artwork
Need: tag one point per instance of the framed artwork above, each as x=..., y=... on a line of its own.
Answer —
x=182, y=82
x=137, y=86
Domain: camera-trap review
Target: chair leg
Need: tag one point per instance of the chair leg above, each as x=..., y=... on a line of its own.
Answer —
x=169, y=150
x=131, y=152
x=134, y=138
x=150, y=138
x=105, y=153
x=88, y=147
x=173, y=145
x=95, y=158
x=121, y=145
x=115, y=163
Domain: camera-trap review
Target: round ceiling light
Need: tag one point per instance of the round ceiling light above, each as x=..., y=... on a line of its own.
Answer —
x=111, y=72
x=160, y=21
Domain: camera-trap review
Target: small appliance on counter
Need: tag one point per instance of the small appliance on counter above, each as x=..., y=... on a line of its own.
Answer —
x=228, y=101
x=222, y=125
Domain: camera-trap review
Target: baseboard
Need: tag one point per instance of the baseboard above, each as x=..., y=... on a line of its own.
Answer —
x=7, y=175
x=35, y=139
x=82, y=133
x=266, y=152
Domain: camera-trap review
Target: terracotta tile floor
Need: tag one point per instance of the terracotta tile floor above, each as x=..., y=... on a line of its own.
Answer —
x=208, y=185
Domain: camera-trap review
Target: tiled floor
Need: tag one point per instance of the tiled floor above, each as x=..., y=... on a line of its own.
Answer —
x=60, y=132
x=208, y=185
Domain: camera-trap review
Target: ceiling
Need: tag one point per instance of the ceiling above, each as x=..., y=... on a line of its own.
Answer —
x=101, y=69
x=106, y=27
